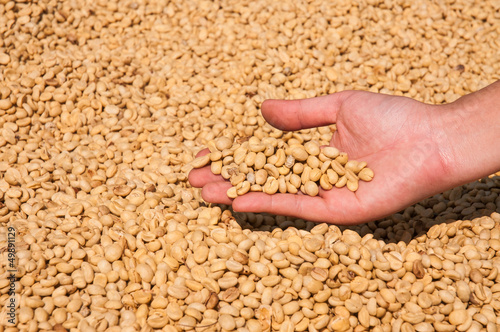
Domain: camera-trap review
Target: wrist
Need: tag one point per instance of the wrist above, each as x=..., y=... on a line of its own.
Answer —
x=466, y=132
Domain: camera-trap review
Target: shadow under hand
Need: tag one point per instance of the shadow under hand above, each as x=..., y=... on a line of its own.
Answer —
x=465, y=203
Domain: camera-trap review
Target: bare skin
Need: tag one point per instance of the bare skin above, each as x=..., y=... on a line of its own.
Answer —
x=416, y=150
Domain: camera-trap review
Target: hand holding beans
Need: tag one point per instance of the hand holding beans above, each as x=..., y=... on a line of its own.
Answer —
x=409, y=145
x=382, y=131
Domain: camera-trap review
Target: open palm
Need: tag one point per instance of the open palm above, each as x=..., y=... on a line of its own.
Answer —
x=394, y=135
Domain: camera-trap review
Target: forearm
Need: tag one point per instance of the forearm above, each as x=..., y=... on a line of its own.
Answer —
x=467, y=134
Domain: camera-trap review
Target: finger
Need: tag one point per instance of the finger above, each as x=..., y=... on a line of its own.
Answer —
x=339, y=206
x=303, y=113
x=283, y=204
x=202, y=153
x=200, y=177
x=215, y=192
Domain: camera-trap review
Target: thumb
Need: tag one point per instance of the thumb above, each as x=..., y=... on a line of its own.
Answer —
x=304, y=113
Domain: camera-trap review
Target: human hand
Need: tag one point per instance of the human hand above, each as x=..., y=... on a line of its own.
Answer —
x=394, y=135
